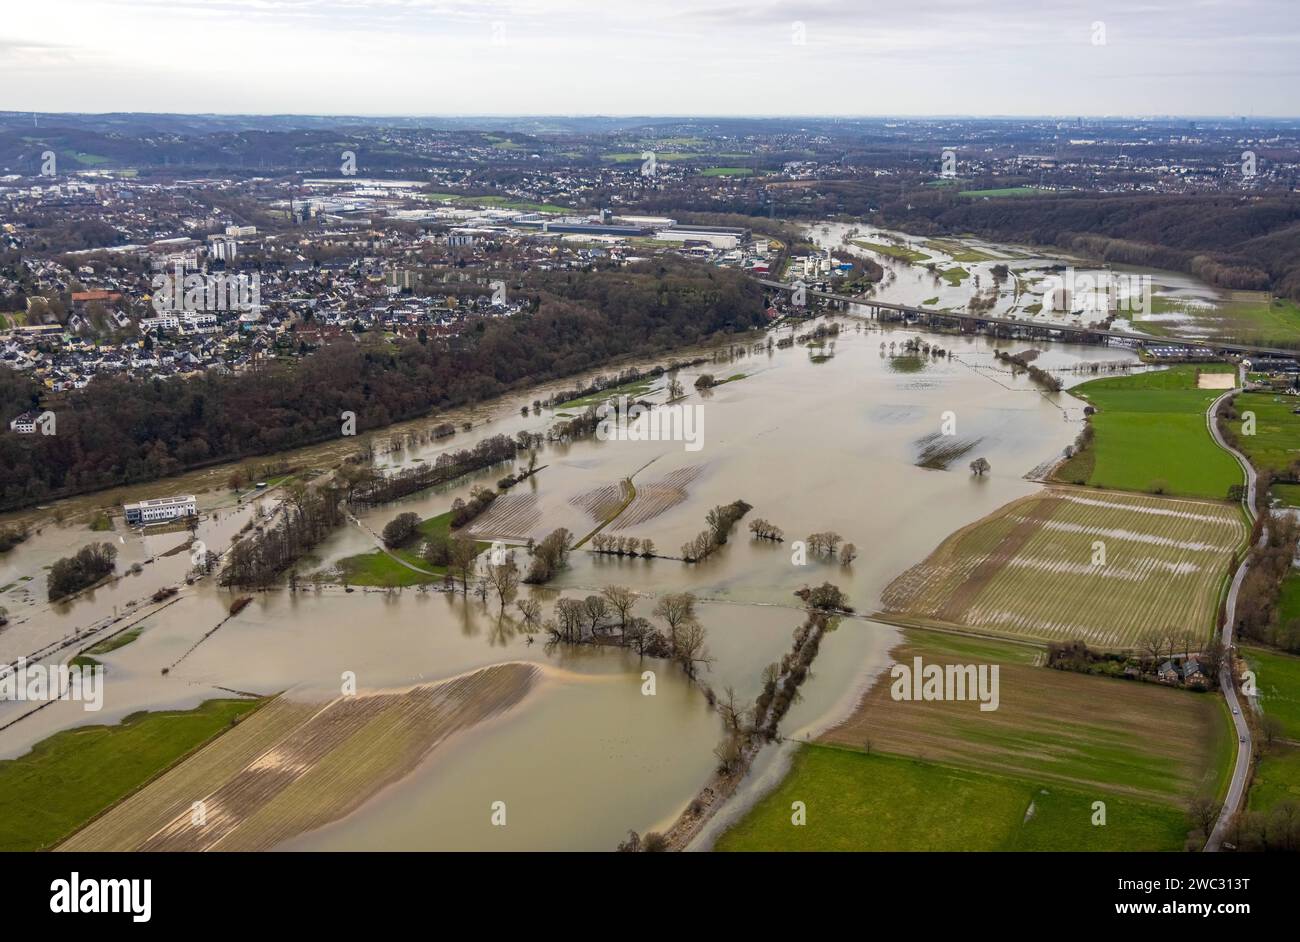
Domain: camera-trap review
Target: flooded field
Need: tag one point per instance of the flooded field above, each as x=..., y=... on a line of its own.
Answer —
x=815, y=439
x=948, y=273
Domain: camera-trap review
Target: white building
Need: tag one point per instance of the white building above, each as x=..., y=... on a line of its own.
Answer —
x=719, y=240
x=223, y=249
x=160, y=510
x=199, y=321
x=24, y=424
x=239, y=231
x=165, y=321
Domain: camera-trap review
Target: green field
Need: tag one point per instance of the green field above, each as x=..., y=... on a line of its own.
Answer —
x=1244, y=316
x=954, y=276
x=380, y=569
x=1150, y=435
x=1277, y=778
x=1277, y=677
x=893, y=251
x=117, y=641
x=857, y=801
x=69, y=778
x=1288, y=495
x=1276, y=442
x=1288, y=606
x=959, y=251
x=727, y=172
x=635, y=388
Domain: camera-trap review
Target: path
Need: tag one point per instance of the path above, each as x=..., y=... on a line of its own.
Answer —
x=1245, y=745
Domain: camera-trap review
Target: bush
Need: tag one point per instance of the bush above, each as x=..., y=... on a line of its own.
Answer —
x=400, y=529
x=86, y=567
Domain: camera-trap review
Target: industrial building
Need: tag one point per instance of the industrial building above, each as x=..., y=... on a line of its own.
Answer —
x=160, y=510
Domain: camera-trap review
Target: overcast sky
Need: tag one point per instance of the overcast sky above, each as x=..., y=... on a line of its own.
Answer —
x=679, y=57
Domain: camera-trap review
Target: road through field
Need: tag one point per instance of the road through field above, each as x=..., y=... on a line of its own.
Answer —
x=1237, y=787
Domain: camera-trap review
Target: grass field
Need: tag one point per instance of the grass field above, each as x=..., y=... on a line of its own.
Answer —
x=633, y=389
x=1244, y=316
x=954, y=276
x=1277, y=677
x=380, y=569
x=1144, y=741
x=1150, y=435
x=857, y=801
x=893, y=251
x=1027, y=570
x=727, y=172
x=75, y=774
x=1276, y=442
x=958, y=251
x=296, y=766
x=1277, y=778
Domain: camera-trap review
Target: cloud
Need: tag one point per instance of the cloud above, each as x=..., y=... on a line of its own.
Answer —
x=665, y=56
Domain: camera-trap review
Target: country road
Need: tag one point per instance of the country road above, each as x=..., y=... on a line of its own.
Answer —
x=1237, y=787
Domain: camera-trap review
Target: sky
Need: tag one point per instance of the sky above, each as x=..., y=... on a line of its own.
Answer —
x=653, y=57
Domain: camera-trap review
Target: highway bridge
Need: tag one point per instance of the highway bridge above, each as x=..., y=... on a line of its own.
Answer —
x=969, y=323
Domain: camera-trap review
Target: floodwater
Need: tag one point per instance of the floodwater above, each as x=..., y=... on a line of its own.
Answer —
x=1032, y=275
x=816, y=439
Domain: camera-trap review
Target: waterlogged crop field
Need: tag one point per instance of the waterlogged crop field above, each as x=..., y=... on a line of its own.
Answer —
x=1033, y=569
x=297, y=765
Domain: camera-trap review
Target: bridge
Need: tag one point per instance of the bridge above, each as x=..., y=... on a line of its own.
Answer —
x=976, y=322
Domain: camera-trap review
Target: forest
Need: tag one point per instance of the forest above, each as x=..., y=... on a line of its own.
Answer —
x=122, y=431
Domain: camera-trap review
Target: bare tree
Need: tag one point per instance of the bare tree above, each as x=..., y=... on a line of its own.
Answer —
x=531, y=609
x=597, y=610
x=676, y=608
x=689, y=649
x=463, y=554
x=505, y=579
x=621, y=599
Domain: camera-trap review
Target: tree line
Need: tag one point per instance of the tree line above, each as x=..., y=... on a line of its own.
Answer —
x=120, y=430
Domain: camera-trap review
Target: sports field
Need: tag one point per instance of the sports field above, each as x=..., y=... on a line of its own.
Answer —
x=1029, y=570
x=1150, y=435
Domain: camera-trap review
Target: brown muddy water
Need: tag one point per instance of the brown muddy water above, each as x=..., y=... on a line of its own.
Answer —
x=812, y=442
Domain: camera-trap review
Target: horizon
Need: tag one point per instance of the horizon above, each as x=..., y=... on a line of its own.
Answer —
x=674, y=116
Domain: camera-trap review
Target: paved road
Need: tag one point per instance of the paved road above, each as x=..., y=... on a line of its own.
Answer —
x=1237, y=787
